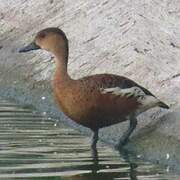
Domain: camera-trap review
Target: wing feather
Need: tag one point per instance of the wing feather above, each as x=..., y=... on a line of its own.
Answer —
x=103, y=81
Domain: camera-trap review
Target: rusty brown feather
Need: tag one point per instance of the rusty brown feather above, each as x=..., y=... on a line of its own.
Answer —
x=94, y=101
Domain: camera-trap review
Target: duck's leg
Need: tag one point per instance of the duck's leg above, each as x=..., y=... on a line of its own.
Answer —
x=93, y=145
x=124, y=139
x=94, y=139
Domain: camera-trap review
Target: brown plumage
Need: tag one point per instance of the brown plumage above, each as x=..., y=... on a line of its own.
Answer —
x=94, y=101
x=83, y=101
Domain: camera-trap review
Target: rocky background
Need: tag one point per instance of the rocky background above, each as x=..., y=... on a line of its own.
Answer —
x=139, y=39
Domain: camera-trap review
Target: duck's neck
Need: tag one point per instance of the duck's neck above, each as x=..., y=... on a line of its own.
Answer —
x=61, y=75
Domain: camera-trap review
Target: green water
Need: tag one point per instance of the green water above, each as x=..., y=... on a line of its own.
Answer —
x=34, y=146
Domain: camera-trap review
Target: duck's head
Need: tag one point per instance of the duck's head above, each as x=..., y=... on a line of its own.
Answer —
x=50, y=39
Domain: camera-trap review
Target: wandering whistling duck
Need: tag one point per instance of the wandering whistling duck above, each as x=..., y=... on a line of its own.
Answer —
x=94, y=101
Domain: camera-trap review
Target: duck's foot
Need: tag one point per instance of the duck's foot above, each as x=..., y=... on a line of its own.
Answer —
x=95, y=160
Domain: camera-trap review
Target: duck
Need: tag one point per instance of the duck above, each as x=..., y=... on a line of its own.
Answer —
x=94, y=101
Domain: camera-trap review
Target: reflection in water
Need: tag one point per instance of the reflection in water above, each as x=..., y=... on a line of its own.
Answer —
x=33, y=146
x=132, y=174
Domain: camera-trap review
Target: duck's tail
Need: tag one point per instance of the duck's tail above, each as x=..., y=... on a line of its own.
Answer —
x=163, y=105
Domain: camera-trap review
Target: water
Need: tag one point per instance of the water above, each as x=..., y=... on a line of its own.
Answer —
x=33, y=146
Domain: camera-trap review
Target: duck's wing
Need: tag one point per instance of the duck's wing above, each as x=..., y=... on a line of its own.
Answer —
x=112, y=81
x=122, y=86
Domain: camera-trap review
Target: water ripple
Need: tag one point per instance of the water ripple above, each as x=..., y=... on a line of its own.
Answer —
x=33, y=147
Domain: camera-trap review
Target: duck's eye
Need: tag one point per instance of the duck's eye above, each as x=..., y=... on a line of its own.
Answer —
x=42, y=35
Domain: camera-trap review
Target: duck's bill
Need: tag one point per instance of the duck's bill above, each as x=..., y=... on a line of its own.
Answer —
x=30, y=47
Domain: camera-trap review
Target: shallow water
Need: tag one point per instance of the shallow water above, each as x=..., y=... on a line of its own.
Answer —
x=34, y=146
